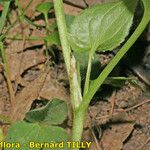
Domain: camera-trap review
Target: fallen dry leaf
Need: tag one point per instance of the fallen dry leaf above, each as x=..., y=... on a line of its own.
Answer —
x=53, y=89
x=20, y=62
x=24, y=99
x=93, y=2
x=139, y=141
x=31, y=10
x=114, y=136
x=24, y=31
x=71, y=10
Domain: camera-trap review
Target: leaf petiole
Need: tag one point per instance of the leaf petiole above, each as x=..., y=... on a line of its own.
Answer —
x=88, y=73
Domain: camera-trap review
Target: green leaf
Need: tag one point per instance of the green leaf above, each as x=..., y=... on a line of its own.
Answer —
x=44, y=7
x=103, y=26
x=54, y=113
x=69, y=20
x=53, y=38
x=24, y=133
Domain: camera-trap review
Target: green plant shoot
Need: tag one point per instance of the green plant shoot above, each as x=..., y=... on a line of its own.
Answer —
x=99, y=28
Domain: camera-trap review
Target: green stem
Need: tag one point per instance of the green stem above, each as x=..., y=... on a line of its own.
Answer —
x=6, y=68
x=7, y=72
x=60, y=17
x=46, y=23
x=78, y=122
x=47, y=33
x=4, y=15
x=19, y=7
x=99, y=81
x=88, y=73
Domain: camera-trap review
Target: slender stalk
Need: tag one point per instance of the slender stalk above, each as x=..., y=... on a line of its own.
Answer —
x=7, y=72
x=6, y=68
x=88, y=73
x=60, y=17
x=4, y=15
x=20, y=8
x=46, y=23
x=47, y=33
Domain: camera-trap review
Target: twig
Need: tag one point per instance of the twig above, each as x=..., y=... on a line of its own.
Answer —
x=126, y=110
x=96, y=141
x=87, y=5
x=74, y=5
x=138, y=105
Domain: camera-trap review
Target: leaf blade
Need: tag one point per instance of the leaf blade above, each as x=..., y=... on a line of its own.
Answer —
x=44, y=7
x=97, y=24
x=54, y=113
x=24, y=133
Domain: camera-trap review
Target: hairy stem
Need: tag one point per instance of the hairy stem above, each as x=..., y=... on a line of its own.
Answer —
x=62, y=28
x=76, y=98
x=78, y=125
